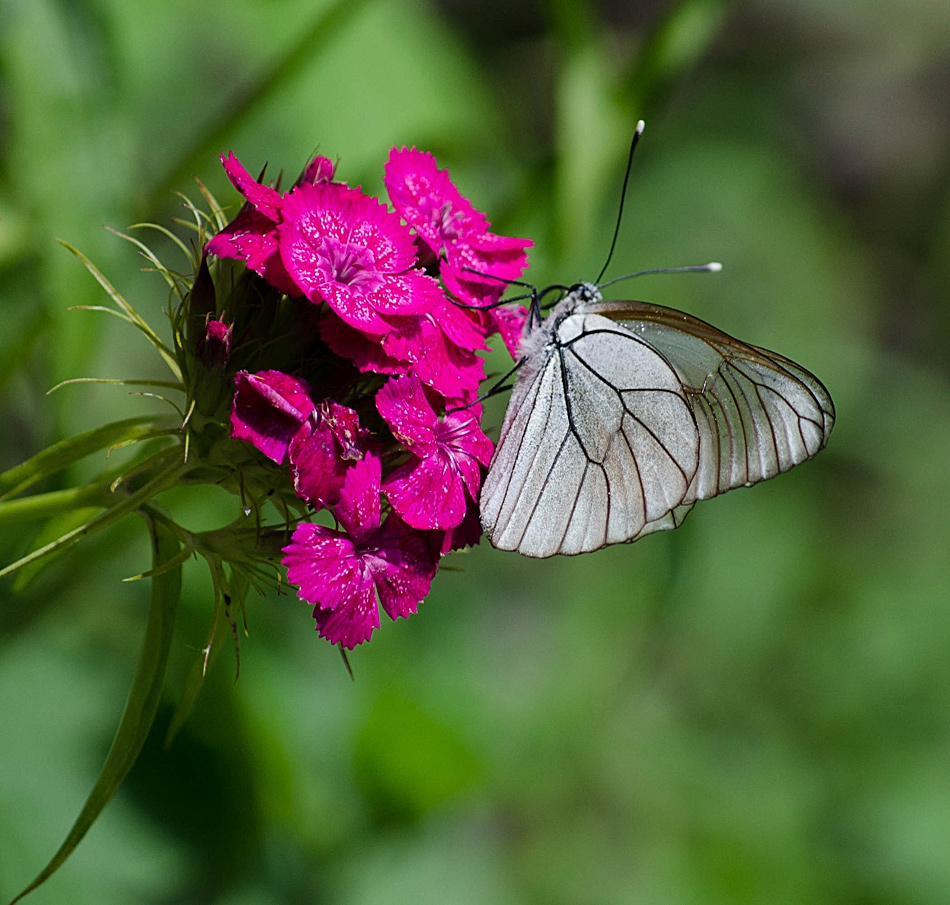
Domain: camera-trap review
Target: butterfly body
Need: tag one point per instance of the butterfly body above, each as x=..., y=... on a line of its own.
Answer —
x=624, y=414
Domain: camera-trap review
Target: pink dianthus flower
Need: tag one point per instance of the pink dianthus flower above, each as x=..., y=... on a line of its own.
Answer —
x=345, y=248
x=429, y=491
x=343, y=572
x=453, y=229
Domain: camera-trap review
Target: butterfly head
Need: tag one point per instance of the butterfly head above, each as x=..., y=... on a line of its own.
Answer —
x=584, y=293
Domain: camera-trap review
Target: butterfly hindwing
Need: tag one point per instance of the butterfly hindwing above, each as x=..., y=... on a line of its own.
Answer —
x=758, y=413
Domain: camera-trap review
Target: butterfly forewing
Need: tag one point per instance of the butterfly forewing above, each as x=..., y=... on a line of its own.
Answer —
x=598, y=445
x=758, y=413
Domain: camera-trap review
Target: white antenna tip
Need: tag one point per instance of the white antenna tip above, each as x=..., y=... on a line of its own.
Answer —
x=714, y=267
x=639, y=129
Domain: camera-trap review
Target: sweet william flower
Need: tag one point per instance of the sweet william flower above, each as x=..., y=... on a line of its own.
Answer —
x=347, y=249
x=377, y=314
x=323, y=449
x=268, y=410
x=433, y=489
x=344, y=572
x=453, y=229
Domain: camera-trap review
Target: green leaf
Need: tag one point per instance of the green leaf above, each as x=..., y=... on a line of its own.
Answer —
x=156, y=485
x=60, y=455
x=143, y=700
x=46, y=505
x=55, y=527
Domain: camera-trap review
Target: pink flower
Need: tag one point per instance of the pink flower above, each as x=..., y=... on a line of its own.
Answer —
x=508, y=322
x=446, y=221
x=429, y=491
x=252, y=235
x=452, y=371
x=268, y=409
x=343, y=572
x=214, y=346
x=414, y=345
x=345, y=248
x=323, y=450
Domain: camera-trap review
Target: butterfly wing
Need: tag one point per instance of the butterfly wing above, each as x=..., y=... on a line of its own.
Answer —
x=599, y=442
x=758, y=413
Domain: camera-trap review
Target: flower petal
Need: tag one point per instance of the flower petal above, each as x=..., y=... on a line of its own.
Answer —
x=403, y=567
x=460, y=434
x=508, y=321
x=364, y=350
x=252, y=237
x=263, y=198
x=477, y=258
x=402, y=403
x=428, y=493
x=358, y=508
x=466, y=534
x=450, y=370
x=268, y=409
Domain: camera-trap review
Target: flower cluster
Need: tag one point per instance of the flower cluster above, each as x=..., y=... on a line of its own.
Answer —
x=375, y=414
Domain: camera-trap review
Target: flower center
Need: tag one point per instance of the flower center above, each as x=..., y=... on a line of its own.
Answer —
x=353, y=265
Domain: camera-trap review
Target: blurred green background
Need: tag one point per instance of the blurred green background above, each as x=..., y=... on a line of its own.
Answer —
x=752, y=709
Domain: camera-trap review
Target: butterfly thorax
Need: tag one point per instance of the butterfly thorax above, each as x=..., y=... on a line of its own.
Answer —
x=541, y=333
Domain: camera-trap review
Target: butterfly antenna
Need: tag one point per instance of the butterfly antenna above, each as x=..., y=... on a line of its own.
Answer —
x=711, y=267
x=623, y=193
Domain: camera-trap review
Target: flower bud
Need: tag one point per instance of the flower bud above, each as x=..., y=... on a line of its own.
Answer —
x=212, y=389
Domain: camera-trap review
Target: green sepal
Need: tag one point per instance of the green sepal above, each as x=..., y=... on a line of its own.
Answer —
x=144, y=696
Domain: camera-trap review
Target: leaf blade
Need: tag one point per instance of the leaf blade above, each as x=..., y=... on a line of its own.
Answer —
x=142, y=703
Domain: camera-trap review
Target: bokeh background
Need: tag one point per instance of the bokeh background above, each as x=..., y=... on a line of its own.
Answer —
x=752, y=709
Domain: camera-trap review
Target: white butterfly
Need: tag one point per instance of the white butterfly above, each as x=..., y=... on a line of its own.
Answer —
x=624, y=414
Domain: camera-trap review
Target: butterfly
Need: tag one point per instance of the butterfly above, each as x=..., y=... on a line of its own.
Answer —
x=624, y=414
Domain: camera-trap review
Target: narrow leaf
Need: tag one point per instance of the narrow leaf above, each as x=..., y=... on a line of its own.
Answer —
x=143, y=700
x=46, y=505
x=55, y=527
x=161, y=482
x=167, y=354
x=60, y=455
